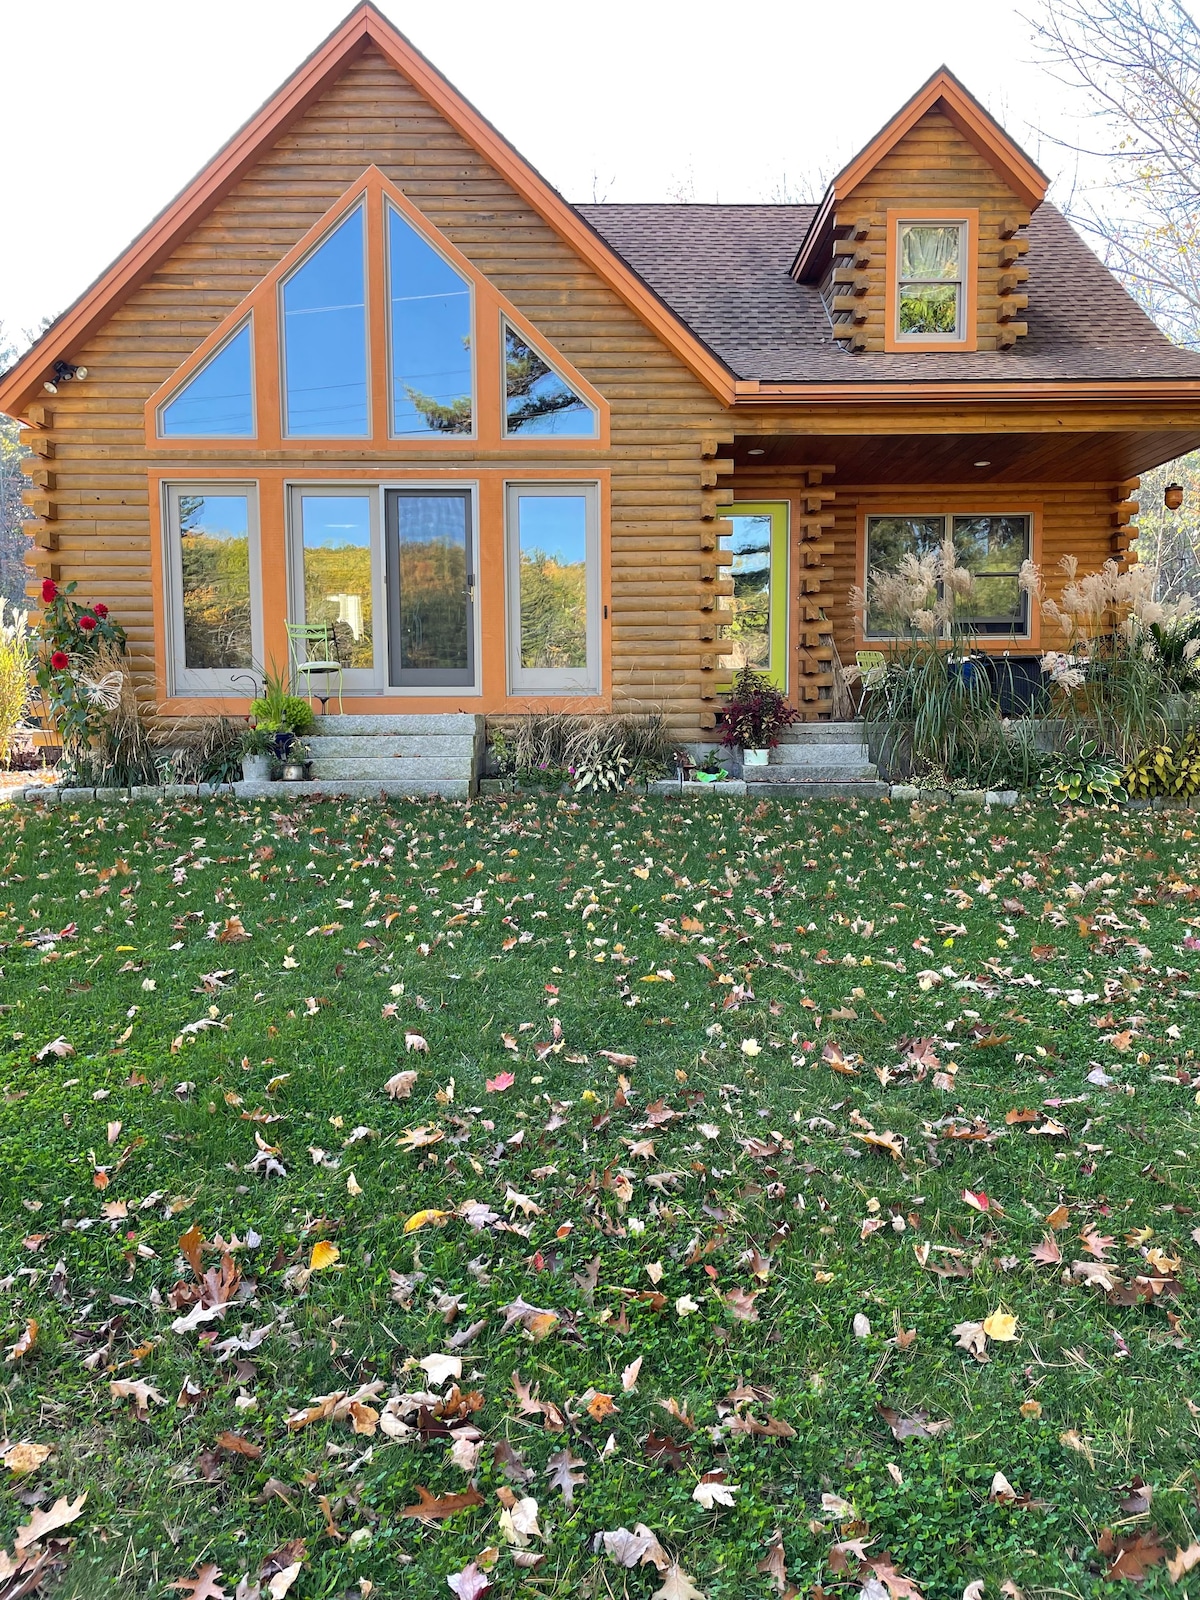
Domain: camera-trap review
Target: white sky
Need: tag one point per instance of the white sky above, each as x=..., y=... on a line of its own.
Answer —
x=111, y=106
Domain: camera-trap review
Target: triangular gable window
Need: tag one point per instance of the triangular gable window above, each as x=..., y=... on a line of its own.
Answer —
x=324, y=318
x=218, y=402
x=430, y=310
x=537, y=402
x=376, y=328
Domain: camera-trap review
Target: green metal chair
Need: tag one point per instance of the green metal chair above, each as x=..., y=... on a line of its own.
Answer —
x=872, y=667
x=313, y=648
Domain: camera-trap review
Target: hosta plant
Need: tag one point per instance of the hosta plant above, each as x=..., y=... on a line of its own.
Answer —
x=1171, y=768
x=1081, y=775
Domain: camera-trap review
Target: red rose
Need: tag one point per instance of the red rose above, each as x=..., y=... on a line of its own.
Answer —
x=100, y=609
x=87, y=623
x=49, y=590
x=60, y=660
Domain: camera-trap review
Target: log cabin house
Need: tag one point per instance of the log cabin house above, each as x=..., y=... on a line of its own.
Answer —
x=371, y=369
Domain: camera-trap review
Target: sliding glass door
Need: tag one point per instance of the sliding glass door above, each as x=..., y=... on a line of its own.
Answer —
x=336, y=567
x=430, y=562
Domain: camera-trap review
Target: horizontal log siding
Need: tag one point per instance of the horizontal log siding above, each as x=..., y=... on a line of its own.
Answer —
x=372, y=115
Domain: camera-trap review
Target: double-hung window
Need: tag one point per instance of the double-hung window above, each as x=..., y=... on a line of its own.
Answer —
x=988, y=545
x=931, y=280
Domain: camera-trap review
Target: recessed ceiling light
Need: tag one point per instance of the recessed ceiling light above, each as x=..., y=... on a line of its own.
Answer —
x=983, y=463
x=756, y=452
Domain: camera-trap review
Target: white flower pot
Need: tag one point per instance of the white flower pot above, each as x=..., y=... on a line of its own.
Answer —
x=755, y=758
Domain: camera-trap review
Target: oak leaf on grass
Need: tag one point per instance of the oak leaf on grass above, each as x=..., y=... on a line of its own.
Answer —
x=62, y=1512
x=203, y=1585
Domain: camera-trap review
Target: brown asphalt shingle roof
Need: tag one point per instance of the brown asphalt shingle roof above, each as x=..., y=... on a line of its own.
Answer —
x=724, y=270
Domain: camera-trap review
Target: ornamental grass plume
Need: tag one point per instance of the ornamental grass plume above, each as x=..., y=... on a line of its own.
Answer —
x=16, y=657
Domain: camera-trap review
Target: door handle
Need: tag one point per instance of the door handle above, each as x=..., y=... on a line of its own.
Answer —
x=471, y=587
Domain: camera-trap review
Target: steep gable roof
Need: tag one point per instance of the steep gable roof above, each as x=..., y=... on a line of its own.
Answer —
x=942, y=92
x=363, y=28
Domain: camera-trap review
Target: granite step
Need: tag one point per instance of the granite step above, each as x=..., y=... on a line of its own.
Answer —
x=815, y=772
x=401, y=769
x=823, y=733
x=821, y=789
x=402, y=724
x=357, y=789
x=378, y=746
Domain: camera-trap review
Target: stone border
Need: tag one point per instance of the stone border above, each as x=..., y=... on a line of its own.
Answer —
x=731, y=788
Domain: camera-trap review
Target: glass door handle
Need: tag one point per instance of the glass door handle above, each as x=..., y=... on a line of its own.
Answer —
x=471, y=587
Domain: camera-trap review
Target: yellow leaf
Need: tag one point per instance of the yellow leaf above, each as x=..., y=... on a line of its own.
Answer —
x=421, y=1219
x=1000, y=1327
x=323, y=1255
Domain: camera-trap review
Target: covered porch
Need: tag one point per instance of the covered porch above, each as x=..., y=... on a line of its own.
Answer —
x=802, y=517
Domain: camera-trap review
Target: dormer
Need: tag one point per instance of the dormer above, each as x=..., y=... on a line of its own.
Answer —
x=919, y=243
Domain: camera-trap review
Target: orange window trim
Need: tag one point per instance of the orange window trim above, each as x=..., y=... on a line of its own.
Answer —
x=969, y=216
x=491, y=696
x=261, y=306
x=941, y=503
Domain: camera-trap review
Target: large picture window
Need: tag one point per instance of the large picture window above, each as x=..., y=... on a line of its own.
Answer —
x=553, y=576
x=324, y=320
x=213, y=583
x=930, y=277
x=990, y=545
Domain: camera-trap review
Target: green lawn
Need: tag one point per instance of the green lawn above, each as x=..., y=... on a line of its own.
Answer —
x=726, y=1121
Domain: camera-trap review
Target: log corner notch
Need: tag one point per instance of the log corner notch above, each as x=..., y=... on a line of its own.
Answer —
x=38, y=497
x=714, y=585
x=849, y=283
x=1012, y=301
x=1125, y=530
x=814, y=649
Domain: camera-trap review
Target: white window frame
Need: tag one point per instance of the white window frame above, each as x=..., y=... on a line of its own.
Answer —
x=285, y=433
x=356, y=680
x=527, y=438
x=960, y=283
x=431, y=438
x=247, y=322
x=552, y=680
x=183, y=680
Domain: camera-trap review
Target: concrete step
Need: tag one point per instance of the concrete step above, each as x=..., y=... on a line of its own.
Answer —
x=806, y=772
x=378, y=746
x=398, y=769
x=822, y=733
x=817, y=755
x=831, y=789
x=357, y=789
x=402, y=724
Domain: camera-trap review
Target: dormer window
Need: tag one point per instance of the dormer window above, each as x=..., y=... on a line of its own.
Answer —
x=929, y=280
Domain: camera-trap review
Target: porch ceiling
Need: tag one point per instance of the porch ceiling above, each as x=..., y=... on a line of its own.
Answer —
x=920, y=458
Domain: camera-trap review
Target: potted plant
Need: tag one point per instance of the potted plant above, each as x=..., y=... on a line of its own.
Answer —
x=281, y=714
x=258, y=747
x=296, y=763
x=756, y=715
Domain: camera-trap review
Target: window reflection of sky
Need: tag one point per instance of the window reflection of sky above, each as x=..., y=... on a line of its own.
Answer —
x=325, y=338
x=333, y=522
x=556, y=525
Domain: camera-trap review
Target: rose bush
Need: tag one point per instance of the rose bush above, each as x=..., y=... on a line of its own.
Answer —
x=69, y=636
